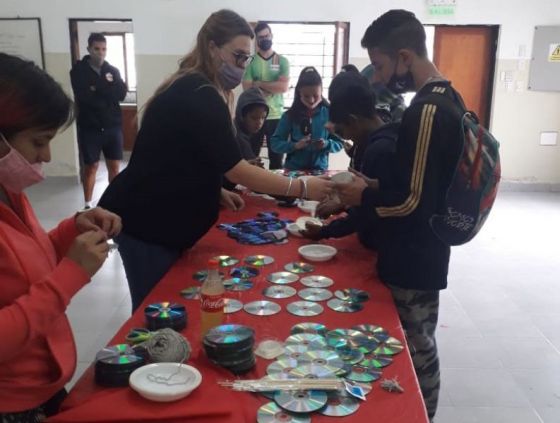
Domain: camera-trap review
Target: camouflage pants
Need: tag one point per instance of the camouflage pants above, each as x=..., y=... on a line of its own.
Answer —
x=418, y=312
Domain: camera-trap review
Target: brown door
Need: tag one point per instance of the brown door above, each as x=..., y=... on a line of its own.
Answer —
x=466, y=56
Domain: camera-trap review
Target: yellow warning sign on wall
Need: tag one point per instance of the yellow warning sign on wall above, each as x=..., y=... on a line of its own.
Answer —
x=554, y=53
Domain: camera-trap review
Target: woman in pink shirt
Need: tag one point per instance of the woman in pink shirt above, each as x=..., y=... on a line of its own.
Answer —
x=39, y=272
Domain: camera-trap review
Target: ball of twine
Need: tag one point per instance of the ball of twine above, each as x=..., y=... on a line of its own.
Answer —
x=168, y=346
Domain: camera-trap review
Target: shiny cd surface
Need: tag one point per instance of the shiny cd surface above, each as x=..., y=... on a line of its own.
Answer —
x=191, y=293
x=282, y=366
x=309, y=340
x=317, y=281
x=202, y=274
x=300, y=401
x=352, y=294
x=309, y=327
x=377, y=362
x=295, y=351
x=312, y=371
x=350, y=355
x=262, y=308
x=272, y=413
x=118, y=354
x=237, y=284
x=259, y=260
x=299, y=267
x=377, y=332
x=363, y=374
x=328, y=359
x=390, y=346
x=282, y=278
x=304, y=308
x=232, y=306
x=339, y=405
x=279, y=291
x=229, y=334
x=315, y=294
x=344, y=306
x=355, y=339
x=244, y=272
x=226, y=260
x=165, y=310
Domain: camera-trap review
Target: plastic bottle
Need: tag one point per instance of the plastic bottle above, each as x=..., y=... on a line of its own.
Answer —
x=211, y=299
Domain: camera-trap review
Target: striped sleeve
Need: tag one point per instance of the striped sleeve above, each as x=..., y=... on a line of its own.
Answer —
x=413, y=150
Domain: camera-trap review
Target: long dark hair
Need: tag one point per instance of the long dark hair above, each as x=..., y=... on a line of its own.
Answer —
x=30, y=98
x=220, y=27
x=308, y=77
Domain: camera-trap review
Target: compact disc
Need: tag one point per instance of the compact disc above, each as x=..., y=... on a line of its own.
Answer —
x=376, y=361
x=299, y=267
x=300, y=401
x=262, y=308
x=202, y=274
x=304, y=308
x=244, y=272
x=282, y=278
x=295, y=351
x=312, y=371
x=229, y=334
x=352, y=294
x=238, y=284
x=340, y=404
x=324, y=358
x=350, y=355
x=259, y=260
x=317, y=281
x=315, y=294
x=363, y=374
x=377, y=332
x=272, y=413
x=344, y=306
x=282, y=366
x=226, y=260
x=191, y=293
x=390, y=346
x=118, y=354
x=279, y=291
x=311, y=341
x=355, y=339
x=309, y=327
x=232, y=306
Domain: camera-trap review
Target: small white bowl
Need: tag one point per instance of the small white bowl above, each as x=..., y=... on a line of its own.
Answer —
x=308, y=206
x=140, y=381
x=343, y=177
x=317, y=252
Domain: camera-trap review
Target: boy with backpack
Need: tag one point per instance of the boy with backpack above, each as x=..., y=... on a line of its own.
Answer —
x=434, y=161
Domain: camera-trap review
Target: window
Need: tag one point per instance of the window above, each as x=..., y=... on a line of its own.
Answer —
x=311, y=44
x=120, y=54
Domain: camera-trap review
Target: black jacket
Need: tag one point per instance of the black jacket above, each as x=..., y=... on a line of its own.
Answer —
x=375, y=160
x=97, y=96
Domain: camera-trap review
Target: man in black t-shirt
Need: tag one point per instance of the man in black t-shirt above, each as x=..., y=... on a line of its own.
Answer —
x=412, y=261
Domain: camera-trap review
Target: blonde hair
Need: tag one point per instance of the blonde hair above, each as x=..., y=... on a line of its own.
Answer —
x=220, y=27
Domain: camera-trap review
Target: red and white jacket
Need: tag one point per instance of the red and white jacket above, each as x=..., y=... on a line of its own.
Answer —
x=37, y=350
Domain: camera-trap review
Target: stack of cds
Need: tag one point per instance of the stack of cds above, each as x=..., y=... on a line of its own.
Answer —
x=114, y=364
x=231, y=346
x=166, y=315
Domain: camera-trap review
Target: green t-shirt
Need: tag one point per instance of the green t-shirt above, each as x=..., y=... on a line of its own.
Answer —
x=269, y=70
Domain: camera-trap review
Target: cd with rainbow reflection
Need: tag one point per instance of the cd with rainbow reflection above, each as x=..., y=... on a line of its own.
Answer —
x=229, y=334
x=118, y=354
x=226, y=261
x=259, y=260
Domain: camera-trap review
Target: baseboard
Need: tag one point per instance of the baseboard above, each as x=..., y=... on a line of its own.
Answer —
x=529, y=186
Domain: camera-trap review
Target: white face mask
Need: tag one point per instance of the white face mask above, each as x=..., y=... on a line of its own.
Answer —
x=16, y=173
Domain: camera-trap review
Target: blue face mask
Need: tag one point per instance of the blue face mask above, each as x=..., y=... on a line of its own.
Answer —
x=400, y=84
x=230, y=75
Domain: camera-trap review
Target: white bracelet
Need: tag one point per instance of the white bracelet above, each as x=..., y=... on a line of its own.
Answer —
x=289, y=187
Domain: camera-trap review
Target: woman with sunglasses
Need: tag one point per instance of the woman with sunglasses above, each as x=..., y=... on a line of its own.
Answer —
x=169, y=195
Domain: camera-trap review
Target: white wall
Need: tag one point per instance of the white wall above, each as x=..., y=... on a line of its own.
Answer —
x=165, y=30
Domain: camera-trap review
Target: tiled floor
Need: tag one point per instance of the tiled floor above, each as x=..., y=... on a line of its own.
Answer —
x=499, y=327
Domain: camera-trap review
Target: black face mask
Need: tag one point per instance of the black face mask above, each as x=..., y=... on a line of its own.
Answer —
x=400, y=84
x=265, y=44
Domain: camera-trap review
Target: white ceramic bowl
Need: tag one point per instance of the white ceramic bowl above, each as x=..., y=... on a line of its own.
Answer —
x=308, y=206
x=140, y=381
x=317, y=252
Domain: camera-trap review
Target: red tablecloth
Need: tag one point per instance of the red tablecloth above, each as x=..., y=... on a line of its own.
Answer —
x=353, y=266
